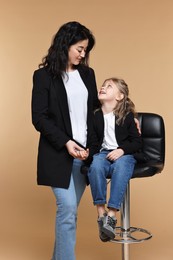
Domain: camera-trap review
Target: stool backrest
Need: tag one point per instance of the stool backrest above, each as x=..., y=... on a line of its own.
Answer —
x=153, y=136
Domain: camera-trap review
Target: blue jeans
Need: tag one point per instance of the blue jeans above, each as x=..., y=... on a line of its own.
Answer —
x=67, y=201
x=120, y=172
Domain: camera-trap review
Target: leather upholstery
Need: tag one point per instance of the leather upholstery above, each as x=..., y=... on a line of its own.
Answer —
x=153, y=136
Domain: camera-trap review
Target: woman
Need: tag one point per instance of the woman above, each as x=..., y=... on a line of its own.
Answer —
x=63, y=98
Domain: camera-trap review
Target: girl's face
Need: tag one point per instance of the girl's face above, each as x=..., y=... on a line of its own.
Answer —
x=76, y=53
x=109, y=92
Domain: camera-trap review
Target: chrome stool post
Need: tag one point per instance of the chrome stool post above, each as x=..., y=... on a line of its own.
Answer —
x=125, y=234
x=125, y=222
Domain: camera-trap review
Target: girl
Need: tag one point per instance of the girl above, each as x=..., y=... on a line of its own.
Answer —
x=118, y=138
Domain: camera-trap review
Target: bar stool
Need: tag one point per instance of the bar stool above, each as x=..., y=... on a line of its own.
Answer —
x=153, y=136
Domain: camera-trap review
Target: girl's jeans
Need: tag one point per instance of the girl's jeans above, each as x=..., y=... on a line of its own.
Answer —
x=67, y=201
x=120, y=171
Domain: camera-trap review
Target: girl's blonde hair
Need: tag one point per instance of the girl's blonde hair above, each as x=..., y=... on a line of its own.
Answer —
x=125, y=105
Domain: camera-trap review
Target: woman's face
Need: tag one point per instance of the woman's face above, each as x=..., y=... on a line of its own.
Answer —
x=76, y=53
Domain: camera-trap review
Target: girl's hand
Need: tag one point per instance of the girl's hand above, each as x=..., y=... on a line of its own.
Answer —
x=115, y=154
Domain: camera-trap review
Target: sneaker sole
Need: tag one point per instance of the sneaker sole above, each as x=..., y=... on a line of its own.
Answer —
x=105, y=239
x=108, y=233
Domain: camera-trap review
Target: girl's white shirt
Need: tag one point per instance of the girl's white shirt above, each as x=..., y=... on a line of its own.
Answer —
x=109, y=140
x=77, y=96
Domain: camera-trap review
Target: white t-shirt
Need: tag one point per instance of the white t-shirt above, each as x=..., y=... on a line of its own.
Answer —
x=77, y=96
x=109, y=140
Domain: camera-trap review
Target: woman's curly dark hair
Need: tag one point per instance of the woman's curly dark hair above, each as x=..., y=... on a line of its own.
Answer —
x=68, y=34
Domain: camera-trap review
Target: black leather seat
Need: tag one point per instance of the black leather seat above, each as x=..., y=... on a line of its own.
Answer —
x=153, y=136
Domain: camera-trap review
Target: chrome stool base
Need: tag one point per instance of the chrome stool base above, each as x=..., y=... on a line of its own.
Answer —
x=132, y=235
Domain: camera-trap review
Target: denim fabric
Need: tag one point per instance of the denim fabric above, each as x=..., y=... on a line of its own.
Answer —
x=120, y=172
x=67, y=201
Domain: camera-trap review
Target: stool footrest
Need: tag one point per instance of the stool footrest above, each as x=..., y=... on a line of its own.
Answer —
x=130, y=236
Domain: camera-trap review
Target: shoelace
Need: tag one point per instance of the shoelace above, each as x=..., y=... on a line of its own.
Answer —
x=111, y=222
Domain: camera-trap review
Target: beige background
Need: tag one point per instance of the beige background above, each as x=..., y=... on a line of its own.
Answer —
x=135, y=42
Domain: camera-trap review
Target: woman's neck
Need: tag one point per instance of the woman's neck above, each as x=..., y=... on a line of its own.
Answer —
x=70, y=68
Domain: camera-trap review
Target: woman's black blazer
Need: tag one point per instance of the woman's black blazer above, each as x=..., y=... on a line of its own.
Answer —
x=50, y=116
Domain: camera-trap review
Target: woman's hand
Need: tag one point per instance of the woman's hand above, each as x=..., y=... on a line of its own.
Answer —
x=137, y=125
x=76, y=151
x=115, y=154
x=83, y=154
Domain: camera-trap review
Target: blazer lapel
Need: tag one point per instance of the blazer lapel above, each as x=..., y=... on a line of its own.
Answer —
x=63, y=103
x=83, y=76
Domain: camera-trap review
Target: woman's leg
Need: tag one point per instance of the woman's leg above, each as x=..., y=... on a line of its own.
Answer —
x=66, y=216
x=121, y=172
x=79, y=180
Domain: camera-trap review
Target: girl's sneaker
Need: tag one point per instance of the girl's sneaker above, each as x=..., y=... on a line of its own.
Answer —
x=109, y=226
x=102, y=235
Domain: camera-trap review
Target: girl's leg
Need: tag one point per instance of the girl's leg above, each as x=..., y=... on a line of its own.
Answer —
x=98, y=183
x=67, y=201
x=97, y=174
x=121, y=172
x=101, y=210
